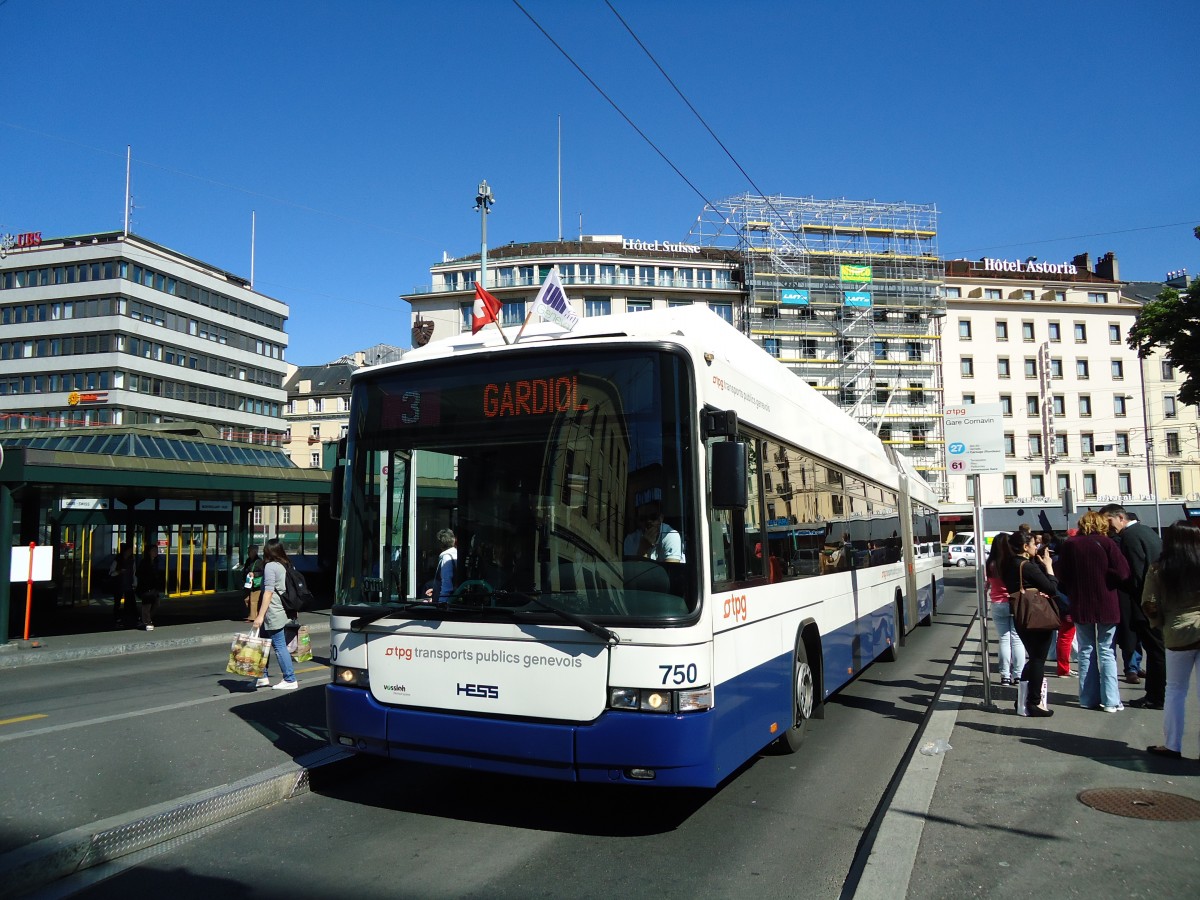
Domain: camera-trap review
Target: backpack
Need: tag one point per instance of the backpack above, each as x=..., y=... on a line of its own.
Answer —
x=296, y=595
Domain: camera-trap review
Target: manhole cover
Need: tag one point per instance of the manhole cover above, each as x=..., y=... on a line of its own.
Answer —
x=1138, y=804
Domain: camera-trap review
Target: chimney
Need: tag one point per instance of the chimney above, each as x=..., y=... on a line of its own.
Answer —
x=1106, y=267
x=1083, y=262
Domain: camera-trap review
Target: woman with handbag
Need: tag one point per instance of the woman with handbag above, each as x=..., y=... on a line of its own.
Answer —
x=1090, y=567
x=1028, y=569
x=1171, y=601
x=1012, y=651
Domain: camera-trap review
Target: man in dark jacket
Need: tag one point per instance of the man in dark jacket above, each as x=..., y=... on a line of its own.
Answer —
x=1142, y=546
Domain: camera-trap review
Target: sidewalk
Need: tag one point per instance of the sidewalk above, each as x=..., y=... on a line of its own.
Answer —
x=1001, y=815
x=87, y=630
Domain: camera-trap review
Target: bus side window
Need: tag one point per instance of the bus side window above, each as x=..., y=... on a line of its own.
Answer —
x=737, y=536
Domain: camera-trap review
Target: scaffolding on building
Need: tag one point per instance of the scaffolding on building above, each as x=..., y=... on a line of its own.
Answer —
x=848, y=294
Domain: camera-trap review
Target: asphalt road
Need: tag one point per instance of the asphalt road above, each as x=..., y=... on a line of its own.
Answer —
x=784, y=826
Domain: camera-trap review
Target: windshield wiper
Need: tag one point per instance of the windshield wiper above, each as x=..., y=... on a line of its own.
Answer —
x=384, y=612
x=610, y=637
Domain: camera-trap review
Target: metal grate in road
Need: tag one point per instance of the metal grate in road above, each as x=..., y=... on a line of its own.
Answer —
x=1134, y=803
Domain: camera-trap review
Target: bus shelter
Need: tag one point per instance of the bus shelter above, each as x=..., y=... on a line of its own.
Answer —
x=86, y=492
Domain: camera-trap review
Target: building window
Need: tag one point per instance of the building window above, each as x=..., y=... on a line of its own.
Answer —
x=638, y=305
x=1173, y=443
x=1035, y=444
x=1037, y=485
x=315, y=430
x=1060, y=296
x=512, y=312
x=912, y=350
x=1060, y=445
x=1064, y=482
x=258, y=515
x=1031, y=405
x=1087, y=444
x=916, y=393
x=1031, y=367
x=597, y=306
x=951, y=293
x=1089, y=485
x=1010, y=444
x=1056, y=369
x=881, y=349
x=1124, y=484
x=968, y=399
x=993, y=294
x=1080, y=332
x=1117, y=370
x=1055, y=332
x=1175, y=483
x=1006, y=407
x=1114, y=333
x=285, y=515
x=964, y=329
x=1060, y=404
x=314, y=460
x=1003, y=368
x=724, y=310
x=1010, y=485
x=1169, y=411
x=771, y=345
x=970, y=488
x=1097, y=297
x=314, y=515
x=1168, y=370
x=1121, y=445
x=1027, y=334
x=1085, y=405
x=1026, y=295
x=1002, y=330
x=1120, y=407
x=967, y=367
x=1081, y=369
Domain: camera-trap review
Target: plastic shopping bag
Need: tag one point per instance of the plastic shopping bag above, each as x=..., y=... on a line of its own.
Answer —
x=248, y=655
x=300, y=643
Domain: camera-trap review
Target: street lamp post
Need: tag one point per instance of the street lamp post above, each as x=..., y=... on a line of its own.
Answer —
x=483, y=203
x=1150, y=467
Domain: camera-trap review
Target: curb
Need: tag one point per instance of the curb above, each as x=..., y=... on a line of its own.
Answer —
x=60, y=856
x=22, y=656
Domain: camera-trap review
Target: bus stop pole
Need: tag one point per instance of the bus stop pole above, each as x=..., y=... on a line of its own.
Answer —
x=981, y=593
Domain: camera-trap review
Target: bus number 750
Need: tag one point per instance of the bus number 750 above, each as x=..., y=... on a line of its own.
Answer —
x=679, y=674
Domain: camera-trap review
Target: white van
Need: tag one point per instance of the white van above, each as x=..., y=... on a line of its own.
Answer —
x=961, y=550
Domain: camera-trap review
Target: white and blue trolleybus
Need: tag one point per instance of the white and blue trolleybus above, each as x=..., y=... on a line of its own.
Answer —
x=670, y=551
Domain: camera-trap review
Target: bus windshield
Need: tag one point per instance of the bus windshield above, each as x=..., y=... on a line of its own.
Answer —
x=558, y=479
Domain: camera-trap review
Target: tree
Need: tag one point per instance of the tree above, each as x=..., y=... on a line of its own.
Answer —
x=1172, y=321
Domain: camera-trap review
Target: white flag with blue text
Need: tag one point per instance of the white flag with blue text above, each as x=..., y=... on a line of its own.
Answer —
x=551, y=303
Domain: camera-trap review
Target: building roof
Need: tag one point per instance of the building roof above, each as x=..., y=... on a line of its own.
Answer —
x=606, y=245
x=329, y=379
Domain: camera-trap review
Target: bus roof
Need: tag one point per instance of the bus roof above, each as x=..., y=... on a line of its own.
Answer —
x=701, y=333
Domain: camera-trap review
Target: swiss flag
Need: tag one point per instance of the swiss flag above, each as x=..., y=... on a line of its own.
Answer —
x=487, y=309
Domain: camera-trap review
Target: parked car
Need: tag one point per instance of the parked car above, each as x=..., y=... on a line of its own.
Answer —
x=959, y=554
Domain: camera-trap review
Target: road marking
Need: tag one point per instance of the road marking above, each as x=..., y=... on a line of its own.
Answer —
x=22, y=719
x=309, y=669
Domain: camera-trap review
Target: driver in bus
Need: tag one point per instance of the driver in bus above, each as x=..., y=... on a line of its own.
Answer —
x=653, y=539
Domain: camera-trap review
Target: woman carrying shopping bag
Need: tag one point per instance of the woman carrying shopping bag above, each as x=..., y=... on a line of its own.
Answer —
x=272, y=618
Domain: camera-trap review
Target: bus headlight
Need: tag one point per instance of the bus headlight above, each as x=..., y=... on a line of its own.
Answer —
x=659, y=701
x=347, y=677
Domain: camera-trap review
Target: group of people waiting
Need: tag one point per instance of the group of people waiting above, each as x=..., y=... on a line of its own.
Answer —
x=137, y=586
x=1119, y=587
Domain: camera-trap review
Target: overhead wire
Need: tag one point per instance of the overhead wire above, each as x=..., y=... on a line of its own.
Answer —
x=613, y=104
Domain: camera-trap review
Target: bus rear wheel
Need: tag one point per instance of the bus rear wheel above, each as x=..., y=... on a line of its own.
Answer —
x=804, y=694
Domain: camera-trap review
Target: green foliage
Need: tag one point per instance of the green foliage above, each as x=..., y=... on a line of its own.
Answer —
x=1171, y=321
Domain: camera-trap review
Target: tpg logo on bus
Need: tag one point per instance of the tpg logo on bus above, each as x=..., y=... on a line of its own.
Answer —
x=735, y=608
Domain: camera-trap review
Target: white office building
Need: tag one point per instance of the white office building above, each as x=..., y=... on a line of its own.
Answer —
x=115, y=329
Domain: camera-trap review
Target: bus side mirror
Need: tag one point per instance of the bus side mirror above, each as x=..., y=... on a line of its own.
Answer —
x=729, y=467
x=337, y=479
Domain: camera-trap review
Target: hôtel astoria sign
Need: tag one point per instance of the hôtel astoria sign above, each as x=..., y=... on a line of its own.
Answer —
x=1031, y=267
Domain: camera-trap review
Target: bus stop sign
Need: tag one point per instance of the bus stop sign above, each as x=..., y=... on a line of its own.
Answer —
x=974, y=439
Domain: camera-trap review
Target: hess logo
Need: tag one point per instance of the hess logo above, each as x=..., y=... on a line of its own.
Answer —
x=483, y=691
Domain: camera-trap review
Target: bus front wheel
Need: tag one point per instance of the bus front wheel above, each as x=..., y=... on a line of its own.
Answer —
x=804, y=692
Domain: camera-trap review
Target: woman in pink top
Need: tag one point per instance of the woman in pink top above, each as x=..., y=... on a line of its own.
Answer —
x=1012, y=651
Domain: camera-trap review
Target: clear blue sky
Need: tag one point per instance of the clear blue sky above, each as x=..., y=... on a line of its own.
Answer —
x=357, y=132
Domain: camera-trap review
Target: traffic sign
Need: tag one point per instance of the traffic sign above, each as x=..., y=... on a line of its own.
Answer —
x=974, y=439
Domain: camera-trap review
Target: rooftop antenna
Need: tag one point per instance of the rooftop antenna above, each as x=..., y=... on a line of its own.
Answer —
x=252, y=224
x=560, y=178
x=128, y=198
